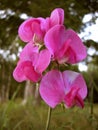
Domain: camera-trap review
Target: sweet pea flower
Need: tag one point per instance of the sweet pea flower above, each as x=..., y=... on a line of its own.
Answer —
x=36, y=28
x=68, y=87
x=56, y=17
x=64, y=45
x=31, y=63
x=32, y=29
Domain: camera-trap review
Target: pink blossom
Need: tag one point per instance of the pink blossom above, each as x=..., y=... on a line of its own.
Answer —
x=68, y=87
x=65, y=45
x=34, y=29
x=31, y=28
x=56, y=17
x=31, y=63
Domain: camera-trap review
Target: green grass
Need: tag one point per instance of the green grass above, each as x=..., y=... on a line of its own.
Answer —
x=14, y=116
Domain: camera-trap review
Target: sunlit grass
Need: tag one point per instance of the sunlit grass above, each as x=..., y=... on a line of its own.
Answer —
x=15, y=116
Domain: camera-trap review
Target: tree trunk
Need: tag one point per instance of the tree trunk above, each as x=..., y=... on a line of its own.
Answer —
x=31, y=92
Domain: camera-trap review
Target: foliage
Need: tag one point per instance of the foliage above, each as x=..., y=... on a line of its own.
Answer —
x=15, y=116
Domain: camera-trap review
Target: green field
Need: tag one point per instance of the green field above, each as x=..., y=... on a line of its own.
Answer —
x=15, y=116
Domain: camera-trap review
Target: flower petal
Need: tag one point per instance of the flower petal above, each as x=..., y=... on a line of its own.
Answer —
x=25, y=71
x=43, y=61
x=18, y=73
x=47, y=24
x=36, y=28
x=73, y=98
x=30, y=73
x=28, y=51
x=76, y=51
x=30, y=27
x=68, y=87
x=57, y=16
x=52, y=88
x=74, y=79
x=25, y=31
x=54, y=38
x=60, y=55
x=59, y=40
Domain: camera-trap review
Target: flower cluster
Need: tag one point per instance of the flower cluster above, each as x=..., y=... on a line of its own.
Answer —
x=48, y=40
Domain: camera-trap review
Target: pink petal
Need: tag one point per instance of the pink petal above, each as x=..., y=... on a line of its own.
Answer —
x=36, y=27
x=52, y=88
x=43, y=61
x=42, y=23
x=76, y=51
x=25, y=71
x=28, y=51
x=30, y=27
x=57, y=16
x=60, y=55
x=73, y=98
x=30, y=73
x=59, y=40
x=71, y=56
x=74, y=79
x=18, y=73
x=47, y=24
x=54, y=38
x=34, y=58
x=79, y=101
x=25, y=30
x=68, y=87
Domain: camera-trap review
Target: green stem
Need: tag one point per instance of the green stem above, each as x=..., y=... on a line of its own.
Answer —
x=48, y=118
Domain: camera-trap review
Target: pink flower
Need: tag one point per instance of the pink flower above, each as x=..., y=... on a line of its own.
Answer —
x=35, y=28
x=68, y=87
x=65, y=45
x=31, y=64
x=31, y=28
x=56, y=17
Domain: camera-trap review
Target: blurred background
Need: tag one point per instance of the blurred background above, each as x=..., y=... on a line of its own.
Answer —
x=81, y=16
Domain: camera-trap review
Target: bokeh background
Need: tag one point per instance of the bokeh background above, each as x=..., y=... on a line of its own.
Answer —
x=21, y=107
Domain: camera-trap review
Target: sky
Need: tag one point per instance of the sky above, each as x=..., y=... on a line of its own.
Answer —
x=90, y=32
